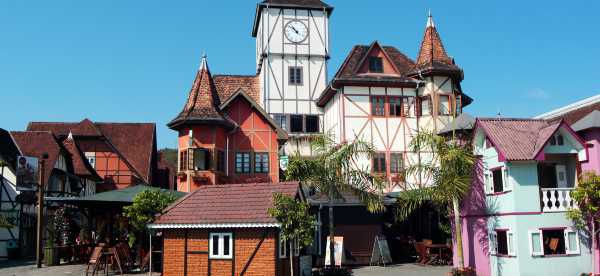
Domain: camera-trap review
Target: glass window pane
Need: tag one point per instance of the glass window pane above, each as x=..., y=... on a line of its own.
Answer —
x=312, y=123
x=535, y=242
x=226, y=245
x=425, y=104
x=296, y=123
x=444, y=105
x=573, y=243
x=215, y=245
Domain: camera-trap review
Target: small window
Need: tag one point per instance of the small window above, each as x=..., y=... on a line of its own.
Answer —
x=296, y=123
x=296, y=247
x=221, y=246
x=282, y=249
x=545, y=242
x=378, y=106
x=425, y=106
x=553, y=140
x=395, y=106
x=242, y=162
x=183, y=160
x=560, y=140
x=498, y=183
x=444, y=106
x=554, y=242
x=396, y=163
x=295, y=77
x=221, y=161
x=201, y=159
x=379, y=163
x=281, y=120
x=261, y=162
x=407, y=102
x=91, y=158
x=312, y=123
x=375, y=65
x=458, y=105
x=502, y=242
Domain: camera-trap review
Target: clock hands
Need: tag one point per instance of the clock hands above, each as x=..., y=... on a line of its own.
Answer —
x=294, y=29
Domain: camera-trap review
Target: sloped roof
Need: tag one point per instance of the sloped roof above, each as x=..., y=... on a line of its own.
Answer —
x=120, y=197
x=8, y=149
x=464, y=121
x=35, y=144
x=518, y=139
x=592, y=120
x=227, y=204
x=227, y=85
x=203, y=102
x=81, y=166
x=135, y=142
x=573, y=112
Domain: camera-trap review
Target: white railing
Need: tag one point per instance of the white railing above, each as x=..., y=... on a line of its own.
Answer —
x=557, y=199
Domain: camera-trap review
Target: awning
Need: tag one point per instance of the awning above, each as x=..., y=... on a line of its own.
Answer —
x=117, y=198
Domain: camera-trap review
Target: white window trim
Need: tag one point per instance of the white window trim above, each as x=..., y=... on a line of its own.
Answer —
x=220, y=254
x=568, y=250
x=511, y=245
x=538, y=253
x=283, y=253
x=296, y=248
x=493, y=242
x=506, y=179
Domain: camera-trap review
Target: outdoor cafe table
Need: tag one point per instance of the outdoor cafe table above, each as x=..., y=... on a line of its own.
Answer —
x=437, y=258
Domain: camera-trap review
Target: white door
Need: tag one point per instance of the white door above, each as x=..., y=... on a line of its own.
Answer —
x=561, y=176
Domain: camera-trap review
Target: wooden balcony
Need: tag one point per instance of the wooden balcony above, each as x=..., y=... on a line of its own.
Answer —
x=557, y=199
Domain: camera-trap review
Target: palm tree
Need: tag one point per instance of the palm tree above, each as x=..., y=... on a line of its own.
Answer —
x=333, y=170
x=450, y=168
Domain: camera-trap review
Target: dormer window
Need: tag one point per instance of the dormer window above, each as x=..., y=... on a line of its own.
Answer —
x=375, y=65
x=557, y=140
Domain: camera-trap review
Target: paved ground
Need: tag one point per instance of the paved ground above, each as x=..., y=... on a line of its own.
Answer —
x=402, y=269
x=28, y=269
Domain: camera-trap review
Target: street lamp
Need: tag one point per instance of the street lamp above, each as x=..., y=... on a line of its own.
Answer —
x=38, y=249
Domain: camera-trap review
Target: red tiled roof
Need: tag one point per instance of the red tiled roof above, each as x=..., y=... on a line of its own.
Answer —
x=573, y=116
x=227, y=204
x=81, y=166
x=135, y=142
x=35, y=144
x=203, y=102
x=227, y=85
x=518, y=139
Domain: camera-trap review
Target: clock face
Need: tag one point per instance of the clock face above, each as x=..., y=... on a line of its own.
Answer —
x=296, y=31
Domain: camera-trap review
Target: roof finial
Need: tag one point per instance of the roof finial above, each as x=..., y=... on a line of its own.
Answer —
x=203, y=63
x=70, y=136
x=430, y=20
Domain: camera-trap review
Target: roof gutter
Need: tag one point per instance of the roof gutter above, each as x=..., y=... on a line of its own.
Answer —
x=211, y=225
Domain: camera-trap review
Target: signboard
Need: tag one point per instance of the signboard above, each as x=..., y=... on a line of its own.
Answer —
x=27, y=171
x=338, y=251
x=284, y=160
x=381, y=252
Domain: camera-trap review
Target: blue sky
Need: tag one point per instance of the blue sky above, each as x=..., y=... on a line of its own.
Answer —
x=130, y=61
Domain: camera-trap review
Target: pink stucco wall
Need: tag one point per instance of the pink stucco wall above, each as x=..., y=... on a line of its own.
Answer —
x=592, y=139
x=474, y=227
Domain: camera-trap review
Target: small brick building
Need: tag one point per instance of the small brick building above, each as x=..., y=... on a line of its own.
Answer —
x=225, y=230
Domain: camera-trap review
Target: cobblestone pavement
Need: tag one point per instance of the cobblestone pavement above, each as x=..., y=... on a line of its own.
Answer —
x=403, y=269
x=28, y=268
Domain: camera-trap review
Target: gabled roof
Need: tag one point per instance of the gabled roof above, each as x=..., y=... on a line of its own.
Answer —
x=281, y=134
x=227, y=85
x=291, y=4
x=203, y=102
x=464, y=121
x=573, y=112
x=228, y=204
x=113, y=198
x=35, y=144
x=81, y=166
x=432, y=57
x=592, y=120
x=520, y=139
x=8, y=149
x=134, y=142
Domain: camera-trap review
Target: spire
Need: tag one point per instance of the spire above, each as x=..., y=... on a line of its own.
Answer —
x=203, y=62
x=432, y=50
x=70, y=136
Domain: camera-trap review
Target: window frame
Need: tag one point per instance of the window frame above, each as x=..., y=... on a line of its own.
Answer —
x=395, y=109
x=375, y=64
x=256, y=154
x=490, y=185
x=566, y=231
x=242, y=170
x=377, y=157
x=509, y=240
x=400, y=169
x=207, y=158
x=377, y=105
x=449, y=101
x=283, y=245
x=221, y=160
x=220, y=246
x=318, y=129
x=295, y=116
x=281, y=120
x=295, y=75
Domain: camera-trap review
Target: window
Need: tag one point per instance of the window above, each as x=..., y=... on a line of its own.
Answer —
x=282, y=249
x=425, y=106
x=91, y=158
x=281, y=120
x=502, y=242
x=221, y=161
x=553, y=140
x=497, y=178
x=295, y=77
x=183, y=160
x=201, y=160
x=377, y=106
x=396, y=163
x=444, y=106
x=242, y=162
x=407, y=102
x=261, y=162
x=375, y=65
x=296, y=124
x=296, y=247
x=560, y=140
x=221, y=246
x=458, y=105
x=379, y=163
x=312, y=123
x=395, y=106
x=562, y=241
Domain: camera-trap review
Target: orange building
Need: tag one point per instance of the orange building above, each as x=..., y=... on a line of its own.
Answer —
x=224, y=135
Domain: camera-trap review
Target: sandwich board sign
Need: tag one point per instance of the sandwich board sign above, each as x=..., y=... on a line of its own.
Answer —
x=381, y=252
x=338, y=249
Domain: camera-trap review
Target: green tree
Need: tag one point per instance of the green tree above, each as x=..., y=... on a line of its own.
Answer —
x=296, y=222
x=333, y=170
x=450, y=168
x=146, y=205
x=587, y=196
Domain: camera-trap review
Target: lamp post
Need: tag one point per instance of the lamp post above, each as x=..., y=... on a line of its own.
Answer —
x=40, y=211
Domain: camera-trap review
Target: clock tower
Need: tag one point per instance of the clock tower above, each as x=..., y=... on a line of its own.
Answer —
x=292, y=49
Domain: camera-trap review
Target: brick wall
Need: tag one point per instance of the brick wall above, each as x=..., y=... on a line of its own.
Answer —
x=245, y=243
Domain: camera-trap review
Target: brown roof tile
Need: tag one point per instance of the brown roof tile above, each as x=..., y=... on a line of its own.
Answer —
x=35, y=144
x=225, y=204
x=432, y=55
x=81, y=166
x=227, y=85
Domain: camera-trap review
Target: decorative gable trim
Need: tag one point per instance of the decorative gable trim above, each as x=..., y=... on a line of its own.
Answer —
x=366, y=56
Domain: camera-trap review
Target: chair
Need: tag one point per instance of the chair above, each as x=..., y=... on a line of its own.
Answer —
x=96, y=260
x=422, y=252
x=124, y=254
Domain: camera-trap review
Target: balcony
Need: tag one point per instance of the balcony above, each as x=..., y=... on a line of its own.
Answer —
x=557, y=199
